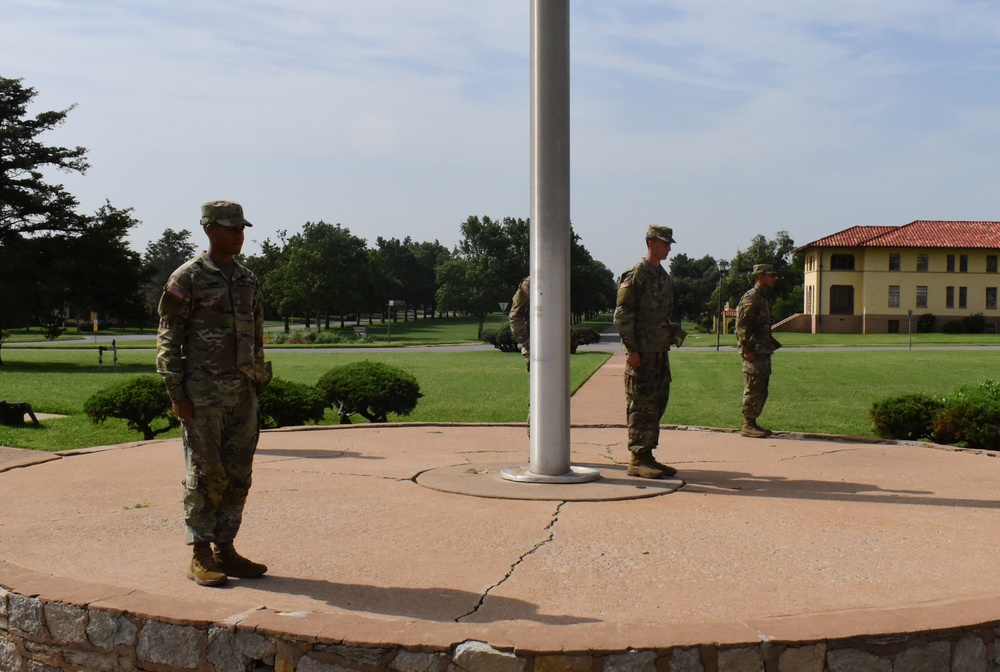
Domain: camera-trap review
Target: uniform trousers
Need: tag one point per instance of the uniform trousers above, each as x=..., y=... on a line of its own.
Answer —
x=647, y=390
x=219, y=445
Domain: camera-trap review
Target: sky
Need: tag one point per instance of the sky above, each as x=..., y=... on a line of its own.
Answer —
x=395, y=118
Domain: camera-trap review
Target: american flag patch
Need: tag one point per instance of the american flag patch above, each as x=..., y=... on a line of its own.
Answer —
x=177, y=291
x=524, y=288
x=623, y=285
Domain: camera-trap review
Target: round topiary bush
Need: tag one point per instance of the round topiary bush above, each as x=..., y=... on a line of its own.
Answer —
x=138, y=401
x=500, y=338
x=370, y=389
x=285, y=403
x=908, y=416
x=970, y=415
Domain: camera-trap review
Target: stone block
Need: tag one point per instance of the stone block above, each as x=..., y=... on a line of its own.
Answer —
x=25, y=614
x=414, y=661
x=741, y=660
x=106, y=631
x=631, y=661
x=10, y=659
x=95, y=661
x=67, y=623
x=307, y=664
x=686, y=660
x=481, y=657
x=234, y=650
x=803, y=659
x=356, y=656
x=969, y=655
x=3, y=608
x=931, y=658
x=563, y=663
x=856, y=660
x=176, y=645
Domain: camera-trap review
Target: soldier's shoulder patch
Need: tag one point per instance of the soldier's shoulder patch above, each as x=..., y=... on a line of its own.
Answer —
x=177, y=291
x=624, y=284
x=525, y=289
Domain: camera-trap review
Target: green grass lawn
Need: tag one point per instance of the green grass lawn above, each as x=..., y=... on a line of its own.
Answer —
x=479, y=386
x=823, y=392
x=811, y=391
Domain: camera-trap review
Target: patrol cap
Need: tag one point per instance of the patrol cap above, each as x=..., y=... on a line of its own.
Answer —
x=763, y=269
x=224, y=213
x=664, y=233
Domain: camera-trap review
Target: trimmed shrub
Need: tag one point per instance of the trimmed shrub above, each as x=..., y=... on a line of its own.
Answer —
x=501, y=338
x=971, y=415
x=370, y=389
x=139, y=401
x=285, y=403
x=975, y=323
x=316, y=336
x=925, y=323
x=908, y=416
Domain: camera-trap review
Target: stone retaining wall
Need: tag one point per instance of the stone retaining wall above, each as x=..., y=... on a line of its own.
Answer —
x=38, y=635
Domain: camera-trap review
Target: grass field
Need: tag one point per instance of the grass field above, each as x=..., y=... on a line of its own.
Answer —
x=811, y=391
x=480, y=386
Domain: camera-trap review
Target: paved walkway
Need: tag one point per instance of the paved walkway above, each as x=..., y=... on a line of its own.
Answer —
x=784, y=538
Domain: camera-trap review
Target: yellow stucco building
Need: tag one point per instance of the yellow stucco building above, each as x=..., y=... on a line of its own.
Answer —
x=874, y=279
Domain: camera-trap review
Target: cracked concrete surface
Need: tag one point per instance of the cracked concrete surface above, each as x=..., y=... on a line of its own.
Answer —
x=786, y=539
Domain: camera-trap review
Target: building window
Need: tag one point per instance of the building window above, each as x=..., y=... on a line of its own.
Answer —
x=949, y=297
x=951, y=263
x=809, y=300
x=841, y=262
x=963, y=297
x=893, y=326
x=921, y=296
x=991, y=263
x=963, y=263
x=991, y=298
x=810, y=262
x=894, y=261
x=922, y=264
x=842, y=299
x=894, y=296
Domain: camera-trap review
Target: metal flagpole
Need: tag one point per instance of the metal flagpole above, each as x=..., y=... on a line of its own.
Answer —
x=549, y=415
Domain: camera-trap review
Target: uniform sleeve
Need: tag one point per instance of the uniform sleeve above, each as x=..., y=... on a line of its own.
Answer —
x=174, y=310
x=518, y=316
x=258, y=326
x=745, y=315
x=625, y=312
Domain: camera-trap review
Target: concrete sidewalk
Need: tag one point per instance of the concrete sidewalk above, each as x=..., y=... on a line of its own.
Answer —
x=784, y=541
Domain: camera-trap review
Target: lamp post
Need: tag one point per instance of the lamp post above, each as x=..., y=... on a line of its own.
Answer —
x=723, y=266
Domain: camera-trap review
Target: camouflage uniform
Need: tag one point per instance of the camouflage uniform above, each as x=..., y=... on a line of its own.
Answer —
x=645, y=306
x=210, y=351
x=518, y=317
x=753, y=333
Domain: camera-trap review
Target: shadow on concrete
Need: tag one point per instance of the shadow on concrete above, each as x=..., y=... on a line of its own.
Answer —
x=431, y=604
x=750, y=485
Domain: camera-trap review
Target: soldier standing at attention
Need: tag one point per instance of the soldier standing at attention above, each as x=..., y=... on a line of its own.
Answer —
x=210, y=353
x=753, y=332
x=518, y=318
x=643, y=313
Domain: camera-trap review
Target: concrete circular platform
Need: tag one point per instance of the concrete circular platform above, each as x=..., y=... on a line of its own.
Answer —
x=486, y=480
x=771, y=548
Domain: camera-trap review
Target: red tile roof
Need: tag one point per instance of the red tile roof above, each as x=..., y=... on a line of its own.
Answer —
x=918, y=233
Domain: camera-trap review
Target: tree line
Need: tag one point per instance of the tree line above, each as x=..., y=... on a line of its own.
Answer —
x=57, y=264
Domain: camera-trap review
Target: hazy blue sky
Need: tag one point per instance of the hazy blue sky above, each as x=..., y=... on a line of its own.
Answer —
x=404, y=117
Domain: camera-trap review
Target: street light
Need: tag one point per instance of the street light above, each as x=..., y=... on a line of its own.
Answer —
x=723, y=266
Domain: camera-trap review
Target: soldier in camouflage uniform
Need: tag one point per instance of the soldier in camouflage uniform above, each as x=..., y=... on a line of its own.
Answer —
x=518, y=317
x=753, y=332
x=211, y=356
x=643, y=313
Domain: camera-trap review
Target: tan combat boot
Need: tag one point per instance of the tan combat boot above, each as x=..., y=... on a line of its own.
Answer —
x=204, y=570
x=752, y=430
x=234, y=564
x=642, y=465
x=665, y=468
